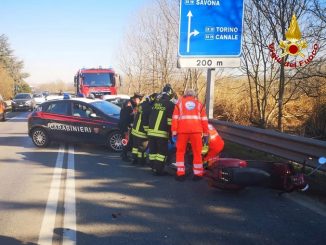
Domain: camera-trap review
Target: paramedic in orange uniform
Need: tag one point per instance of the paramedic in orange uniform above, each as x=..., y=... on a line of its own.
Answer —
x=215, y=145
x=189, y=124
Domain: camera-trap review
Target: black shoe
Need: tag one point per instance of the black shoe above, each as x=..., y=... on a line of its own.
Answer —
x=197, y=178
x=180, y=178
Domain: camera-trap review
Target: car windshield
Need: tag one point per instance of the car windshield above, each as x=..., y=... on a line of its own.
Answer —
x=98, y=79
x=107, y=107
x=23, y=96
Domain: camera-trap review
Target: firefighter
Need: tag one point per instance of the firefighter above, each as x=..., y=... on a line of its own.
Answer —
x=189, y=123
x=215, y=146
x=159, y=130
x=127, y=113
x=140, y=128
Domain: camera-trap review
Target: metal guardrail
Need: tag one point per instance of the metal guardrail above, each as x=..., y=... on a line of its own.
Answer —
x=292, y=147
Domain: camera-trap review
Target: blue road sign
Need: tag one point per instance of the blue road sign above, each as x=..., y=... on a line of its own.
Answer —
x=210, y=28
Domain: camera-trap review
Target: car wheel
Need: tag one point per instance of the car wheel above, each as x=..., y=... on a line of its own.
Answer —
x=114, y=141
x=40, y=137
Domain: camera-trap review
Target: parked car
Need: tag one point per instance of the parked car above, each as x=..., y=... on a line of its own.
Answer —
x=76, y=120
x=118, y=99
x=2, y=109
x=39, y=98
x=23, y=101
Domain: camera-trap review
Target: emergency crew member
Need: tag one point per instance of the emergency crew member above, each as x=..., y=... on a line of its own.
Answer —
x=140, y=129
x=189, y=123
x=159, y=130
x=127, y=113
x=215, y=146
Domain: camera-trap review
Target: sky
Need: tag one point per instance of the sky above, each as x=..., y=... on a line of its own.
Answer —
x=55, y=38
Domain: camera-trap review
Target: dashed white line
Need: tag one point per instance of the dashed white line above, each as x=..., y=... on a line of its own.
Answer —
x=47, y=227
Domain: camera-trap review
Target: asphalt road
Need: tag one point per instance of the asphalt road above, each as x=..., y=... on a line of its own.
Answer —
x=82, y=194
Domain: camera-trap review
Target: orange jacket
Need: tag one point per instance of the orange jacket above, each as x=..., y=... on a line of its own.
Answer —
x=215, y=140
x=189, y=116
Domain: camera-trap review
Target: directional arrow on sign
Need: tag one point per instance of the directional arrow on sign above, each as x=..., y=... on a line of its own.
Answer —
x=194, y=33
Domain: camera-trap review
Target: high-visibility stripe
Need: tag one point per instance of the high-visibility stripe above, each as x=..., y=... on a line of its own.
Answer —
x=169, y=121
x=213, y=136
x=157, y=133
x=138, y=122
x=158, y=120
x=180, y=164
x=140, y=154
x=160, y=157
x=188, y=117
x=175, y=117
x=134, y=150
x=204, y=118
x=152, y=156
x=198, y=172
x=181, y=171
x=198, y=165
x=139, y=134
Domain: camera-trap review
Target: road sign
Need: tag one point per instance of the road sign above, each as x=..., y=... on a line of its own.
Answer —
x=198, y=62
x=210, y=28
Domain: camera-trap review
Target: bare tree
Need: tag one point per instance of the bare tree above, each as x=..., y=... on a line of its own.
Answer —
x=270, y=23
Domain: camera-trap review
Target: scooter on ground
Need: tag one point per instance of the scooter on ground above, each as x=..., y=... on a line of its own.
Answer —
x=237, y=174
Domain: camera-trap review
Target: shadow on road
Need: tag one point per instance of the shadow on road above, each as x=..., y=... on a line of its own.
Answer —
x=122, y=203
x=5, y=240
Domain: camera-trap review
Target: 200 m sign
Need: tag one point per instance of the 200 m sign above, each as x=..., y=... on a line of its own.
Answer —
x=196, y=62
x=209, y=63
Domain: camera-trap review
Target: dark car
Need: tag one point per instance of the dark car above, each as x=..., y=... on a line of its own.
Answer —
x=76, y=120
x=23, y=101
x=2, y=109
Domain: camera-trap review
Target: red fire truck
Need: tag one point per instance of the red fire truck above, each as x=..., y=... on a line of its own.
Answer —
x=96, y=81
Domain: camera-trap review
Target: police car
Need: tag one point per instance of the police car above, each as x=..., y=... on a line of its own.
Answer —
x=76, y=120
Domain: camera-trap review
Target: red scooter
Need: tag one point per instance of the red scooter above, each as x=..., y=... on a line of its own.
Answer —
x=236, y=174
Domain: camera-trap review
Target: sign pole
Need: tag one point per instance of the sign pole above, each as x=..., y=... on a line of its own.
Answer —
x=210, y=89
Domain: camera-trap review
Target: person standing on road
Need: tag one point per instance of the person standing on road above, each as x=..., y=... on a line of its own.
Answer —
x=189, y=123
x=140, y=129
x=159, y=130
x=127, y=113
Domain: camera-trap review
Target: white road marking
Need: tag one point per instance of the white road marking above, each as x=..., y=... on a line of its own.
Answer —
x=69, y=224
x=47, y=228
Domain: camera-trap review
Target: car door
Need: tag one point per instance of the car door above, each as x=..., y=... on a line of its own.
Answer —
x=57, y=121
x=88, y=122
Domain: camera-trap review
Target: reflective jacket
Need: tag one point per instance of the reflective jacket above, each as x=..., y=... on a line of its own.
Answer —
x=161, y=117
x=140, y=125
x=189, y=116
x=215, y=140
